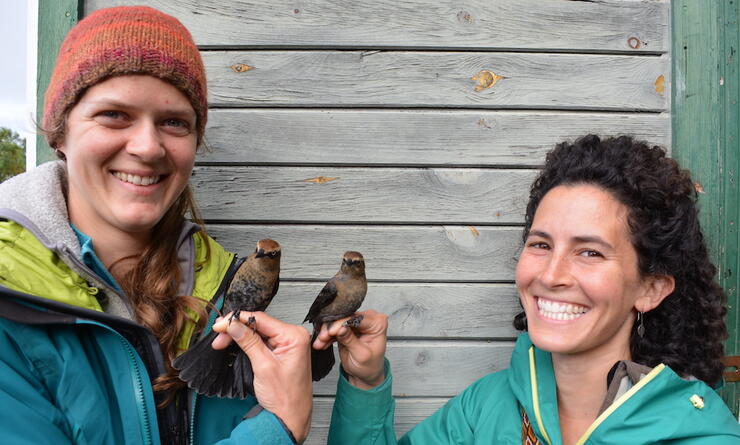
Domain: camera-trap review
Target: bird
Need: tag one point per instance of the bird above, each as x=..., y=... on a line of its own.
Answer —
x=228, y=372
x=341, y=297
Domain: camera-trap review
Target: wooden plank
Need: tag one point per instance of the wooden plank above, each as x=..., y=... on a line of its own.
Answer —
x=56, y=18
x=398, y=195
x=397, y=253
x=437, y=79
x=420, y=310
x=553, y=25
x=403, y=137
x=423, y=368
x=706, y=128
x=409, y=413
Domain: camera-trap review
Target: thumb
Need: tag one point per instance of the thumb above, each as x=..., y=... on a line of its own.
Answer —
x=345, y=336
x=248, y=340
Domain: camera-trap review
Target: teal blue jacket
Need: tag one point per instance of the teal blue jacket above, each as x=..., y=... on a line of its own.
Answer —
x=660, y=408
x=74, y=366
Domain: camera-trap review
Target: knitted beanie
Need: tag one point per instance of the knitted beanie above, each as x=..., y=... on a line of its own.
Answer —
x=118, y=41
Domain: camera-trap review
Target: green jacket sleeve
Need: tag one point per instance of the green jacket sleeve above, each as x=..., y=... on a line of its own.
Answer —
x=366, y=418
x=262, y=429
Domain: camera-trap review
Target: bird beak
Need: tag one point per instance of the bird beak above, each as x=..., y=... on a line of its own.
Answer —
x=260, y=254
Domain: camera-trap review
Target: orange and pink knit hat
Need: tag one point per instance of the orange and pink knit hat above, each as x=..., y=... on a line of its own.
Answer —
x=124, y=40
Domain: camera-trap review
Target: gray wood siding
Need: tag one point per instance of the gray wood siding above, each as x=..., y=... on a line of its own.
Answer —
x=410, y=130
x=433, y=137
x=435, y=79
x=550, y=25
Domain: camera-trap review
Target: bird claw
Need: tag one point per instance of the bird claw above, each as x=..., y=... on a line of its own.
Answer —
x=234, y=316
x=252, y=321
x=354, y=322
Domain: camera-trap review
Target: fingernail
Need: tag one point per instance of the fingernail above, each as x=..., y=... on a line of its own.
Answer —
x=236, y=330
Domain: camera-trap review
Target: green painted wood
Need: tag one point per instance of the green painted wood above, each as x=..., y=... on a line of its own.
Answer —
x=56, y=17
x=706, y=120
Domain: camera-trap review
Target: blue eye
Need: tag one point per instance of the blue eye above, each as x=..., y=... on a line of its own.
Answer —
x=111, y=114
x=176, y=123
x=177, y=127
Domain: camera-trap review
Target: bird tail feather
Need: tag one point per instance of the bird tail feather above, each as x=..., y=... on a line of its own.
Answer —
x=322, y=360
x=216, y=373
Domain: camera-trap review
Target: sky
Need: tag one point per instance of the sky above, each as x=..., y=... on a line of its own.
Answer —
x=15, y=100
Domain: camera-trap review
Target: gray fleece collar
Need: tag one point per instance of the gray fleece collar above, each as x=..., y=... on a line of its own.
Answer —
x=32, y=199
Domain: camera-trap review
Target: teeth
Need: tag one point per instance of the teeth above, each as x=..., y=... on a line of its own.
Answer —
x=136, y=179
x=560, y=311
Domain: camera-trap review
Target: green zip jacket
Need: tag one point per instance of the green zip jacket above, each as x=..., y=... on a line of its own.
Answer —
x=661, y=408
x=75, y=368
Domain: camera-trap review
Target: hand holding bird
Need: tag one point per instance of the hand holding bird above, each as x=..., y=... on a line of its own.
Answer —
x=228, y=372
x=279, y=353
x=361, y=348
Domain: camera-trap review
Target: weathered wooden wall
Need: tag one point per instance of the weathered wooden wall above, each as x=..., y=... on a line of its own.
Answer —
x=410, y=130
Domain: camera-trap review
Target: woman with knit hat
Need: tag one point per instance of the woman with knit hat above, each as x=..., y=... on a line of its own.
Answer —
x=103, y=279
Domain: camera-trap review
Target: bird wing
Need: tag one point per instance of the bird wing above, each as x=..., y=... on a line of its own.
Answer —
x=323, y=299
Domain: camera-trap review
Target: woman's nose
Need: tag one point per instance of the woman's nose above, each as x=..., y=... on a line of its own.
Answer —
x=146, y=141
x=557, y=272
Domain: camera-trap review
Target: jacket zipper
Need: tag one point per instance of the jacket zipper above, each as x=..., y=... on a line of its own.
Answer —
x=235, y=263
x=139, y=392
x=191, y=432
x=599, y=420
x=536, y=396
x=620, y=401
x=136, y=380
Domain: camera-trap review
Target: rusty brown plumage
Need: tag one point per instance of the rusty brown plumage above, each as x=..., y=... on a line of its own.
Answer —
x=341, y=297
x=228, y=372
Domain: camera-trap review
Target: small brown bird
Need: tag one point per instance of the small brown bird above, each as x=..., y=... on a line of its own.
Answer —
x=228, y=372
x=341, y=297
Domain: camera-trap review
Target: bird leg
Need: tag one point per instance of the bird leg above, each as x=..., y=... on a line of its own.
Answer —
x=252, y=321
x=354, y=322
x=234, y=316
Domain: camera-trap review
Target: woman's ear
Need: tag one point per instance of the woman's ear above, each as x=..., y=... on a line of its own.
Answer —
x=657, y=287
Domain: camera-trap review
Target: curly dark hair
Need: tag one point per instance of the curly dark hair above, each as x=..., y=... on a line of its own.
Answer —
x=686, y=331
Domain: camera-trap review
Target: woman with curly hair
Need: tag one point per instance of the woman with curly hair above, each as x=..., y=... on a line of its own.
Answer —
x=622, y=313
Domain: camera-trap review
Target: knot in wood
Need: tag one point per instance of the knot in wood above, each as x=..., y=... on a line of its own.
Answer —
x=464, y=17
x=240, y=67
x=634, y=43
x=486, y=79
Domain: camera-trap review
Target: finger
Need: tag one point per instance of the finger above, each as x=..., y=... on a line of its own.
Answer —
x=372, y=322
x=221, y=341
x=345, y=336
x=249, y=341
x=222, y=323
x=323, y=339
x=266, y=325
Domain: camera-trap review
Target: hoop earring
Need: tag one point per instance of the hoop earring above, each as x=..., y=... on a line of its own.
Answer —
x=640, y=325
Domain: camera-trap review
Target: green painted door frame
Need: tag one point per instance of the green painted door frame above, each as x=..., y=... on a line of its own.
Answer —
x=706, y=134
x=56, y=18
x=705, y=121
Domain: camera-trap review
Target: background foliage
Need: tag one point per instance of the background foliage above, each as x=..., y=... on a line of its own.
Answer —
x=12, y=154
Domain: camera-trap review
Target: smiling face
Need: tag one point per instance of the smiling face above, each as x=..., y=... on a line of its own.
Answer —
x=578, y=276
x=130, y=148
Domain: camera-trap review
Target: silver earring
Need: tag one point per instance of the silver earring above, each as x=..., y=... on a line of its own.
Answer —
x=640, y=325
